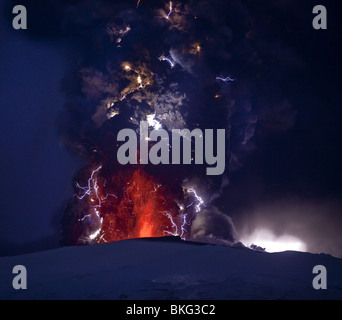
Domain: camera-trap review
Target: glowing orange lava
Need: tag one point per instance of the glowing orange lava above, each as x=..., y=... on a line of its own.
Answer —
x=142, y=208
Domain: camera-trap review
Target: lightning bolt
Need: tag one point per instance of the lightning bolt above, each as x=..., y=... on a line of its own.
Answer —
x=174, y=226
x=184, y=223
x=93, y=189
x=170, y=10
x=91, y=184
x=163, y=58
x=228, y=79
x=199, y=200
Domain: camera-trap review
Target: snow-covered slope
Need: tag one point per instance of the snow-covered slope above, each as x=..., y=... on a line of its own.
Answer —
x=159, y=269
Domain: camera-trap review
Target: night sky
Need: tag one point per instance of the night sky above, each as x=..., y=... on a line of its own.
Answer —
x=283, y=110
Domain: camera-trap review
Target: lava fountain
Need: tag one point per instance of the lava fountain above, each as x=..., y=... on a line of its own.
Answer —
x=127, y=204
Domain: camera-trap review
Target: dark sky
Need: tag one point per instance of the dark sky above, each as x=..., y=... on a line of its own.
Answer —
x=297, y=175
x=288, y=176
x=36, y=170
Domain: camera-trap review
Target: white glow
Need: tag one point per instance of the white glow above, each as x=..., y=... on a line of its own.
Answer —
x=267, y=239
x=94, y=235
x=152, y=122
x=112, y=114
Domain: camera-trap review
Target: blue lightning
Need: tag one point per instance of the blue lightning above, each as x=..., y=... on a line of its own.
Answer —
x=91, y=185
x=184, y=223
x=174, y=226
x=163, y=58
x=199, y=200
x=171, y=10
x=228, y=79
x=93, y=189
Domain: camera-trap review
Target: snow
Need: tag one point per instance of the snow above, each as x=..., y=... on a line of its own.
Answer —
x=169, y=269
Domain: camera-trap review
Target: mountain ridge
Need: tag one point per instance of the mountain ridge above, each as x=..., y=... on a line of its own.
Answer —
x=163, y=269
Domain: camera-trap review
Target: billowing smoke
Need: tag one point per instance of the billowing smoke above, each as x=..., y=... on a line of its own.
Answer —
x=176, y=64
x=213, y=226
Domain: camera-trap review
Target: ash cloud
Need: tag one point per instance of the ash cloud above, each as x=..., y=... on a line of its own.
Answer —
x=213, y=226
x=205, y=40
x=229, y=42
